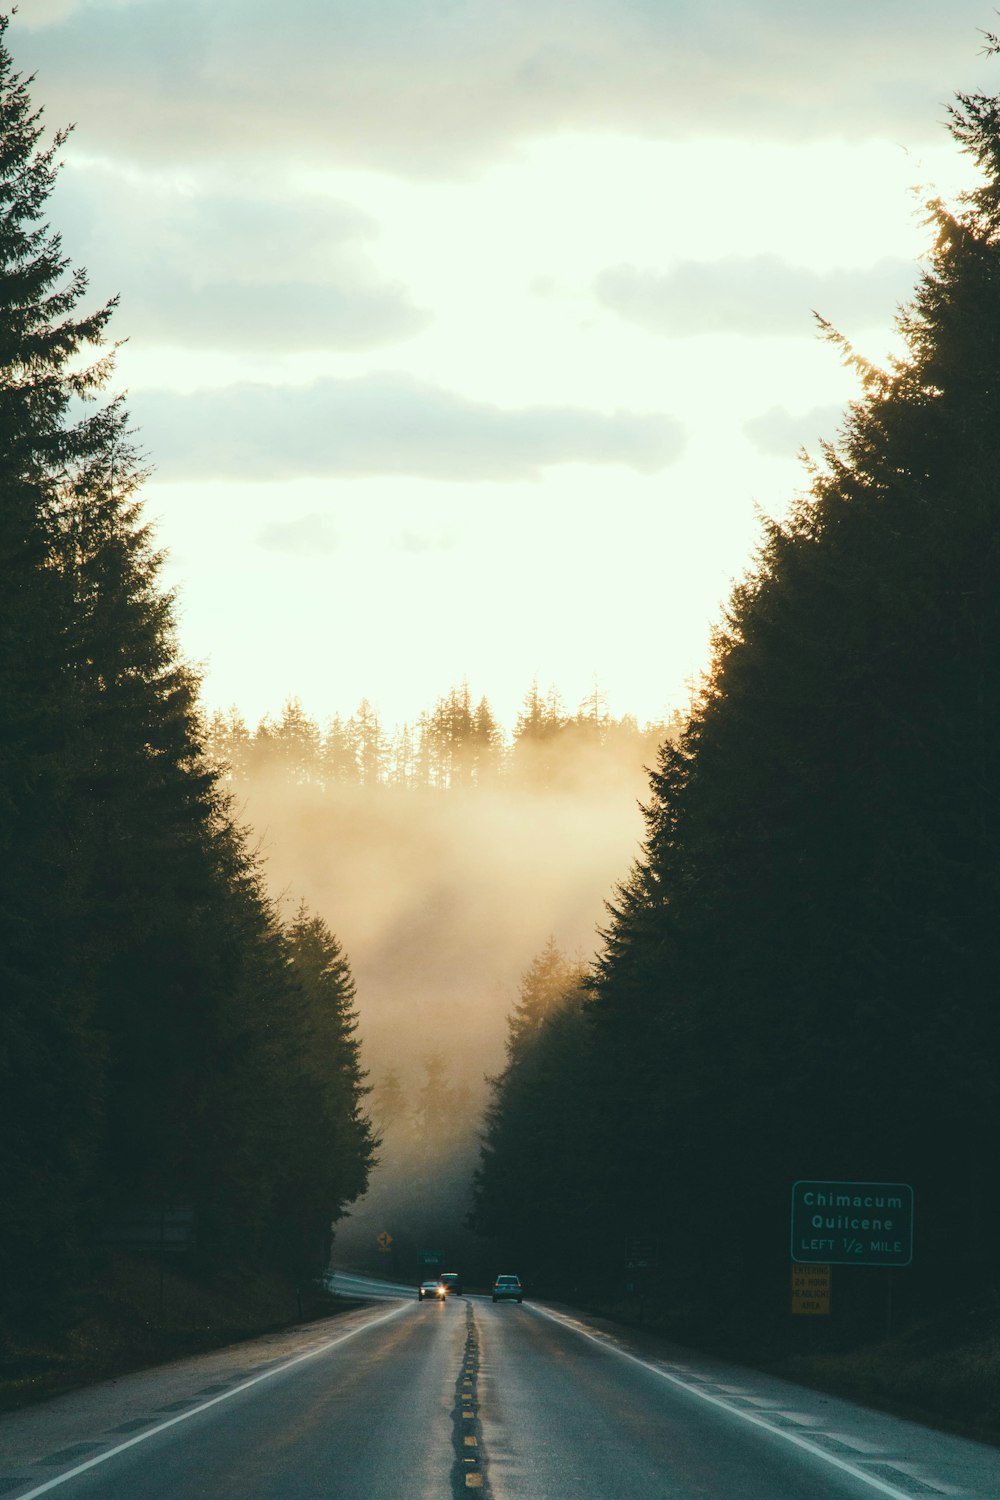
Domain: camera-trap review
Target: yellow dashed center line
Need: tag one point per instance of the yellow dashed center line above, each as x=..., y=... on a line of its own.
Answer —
x=468, y=1409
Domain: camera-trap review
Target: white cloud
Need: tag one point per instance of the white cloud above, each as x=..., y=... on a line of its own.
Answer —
x=37, y=13
x=756, y=295
x=307, y=536
x=439, y=86
x=231, y=267
x=385, y=424
x=417, y=542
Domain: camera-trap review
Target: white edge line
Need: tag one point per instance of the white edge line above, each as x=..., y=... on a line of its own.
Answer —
x=141, y=1437
x=734, y=1411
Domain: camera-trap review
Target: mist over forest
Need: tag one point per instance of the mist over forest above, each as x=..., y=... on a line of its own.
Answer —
x=445, y=856
x=543, y=995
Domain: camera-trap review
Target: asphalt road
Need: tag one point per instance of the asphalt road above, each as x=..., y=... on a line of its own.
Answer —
x=401, y=1401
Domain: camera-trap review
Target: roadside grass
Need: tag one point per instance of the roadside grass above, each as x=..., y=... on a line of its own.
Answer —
x=942, y=1370
x=137, y=1313
x=933, y=1372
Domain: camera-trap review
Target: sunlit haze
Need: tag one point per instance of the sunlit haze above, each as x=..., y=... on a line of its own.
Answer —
x=468, y=344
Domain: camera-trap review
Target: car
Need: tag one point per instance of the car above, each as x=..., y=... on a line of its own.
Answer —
x=508, y=1289
x=428, y=1290
x=452, y=1282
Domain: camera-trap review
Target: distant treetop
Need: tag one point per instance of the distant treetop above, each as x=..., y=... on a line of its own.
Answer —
x=459, y=744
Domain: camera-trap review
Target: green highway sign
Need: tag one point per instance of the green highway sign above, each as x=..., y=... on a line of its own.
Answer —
x=852, y=1223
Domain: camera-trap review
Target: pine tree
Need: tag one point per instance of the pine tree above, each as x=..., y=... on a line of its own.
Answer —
x=389, y=1103
x=369, y=744
x=297, y=742
x=227, y=744
x=488, y=741
x=337, y=756
x=148, y=1037
x=539, y=737
x=529, y=1187
x=811, y=934
x=433, y=1114
x=543, y=988
x=334, y=1146
x=50, y=1075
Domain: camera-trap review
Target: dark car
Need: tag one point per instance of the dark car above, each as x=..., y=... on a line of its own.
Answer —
x=452, y=1282
x=428, y=1290
x=508, y=1289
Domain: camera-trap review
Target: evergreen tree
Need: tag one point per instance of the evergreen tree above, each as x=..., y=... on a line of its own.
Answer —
x=389, y=1103
x=460, y=745
x=369, y=743
x=543, y=988
x=334, y=1146
x=50, y=1068
x=228, y=744
x=402, y=770
x=433, y=1114
x=488, y=743
x=530, y=1187
x=810, y=936
x=539, y=739
x=156, y=1045
x=297, y=743
x=337, y=754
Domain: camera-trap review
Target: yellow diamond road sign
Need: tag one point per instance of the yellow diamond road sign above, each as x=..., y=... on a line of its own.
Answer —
x=384, y=1240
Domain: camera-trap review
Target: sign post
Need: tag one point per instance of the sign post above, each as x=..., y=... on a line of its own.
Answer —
x=852, y=1223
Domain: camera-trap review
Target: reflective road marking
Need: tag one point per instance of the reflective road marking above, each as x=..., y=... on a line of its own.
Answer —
x=795, y=1438
x=142, y=1437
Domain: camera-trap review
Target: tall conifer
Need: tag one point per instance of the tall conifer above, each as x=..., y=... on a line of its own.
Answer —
x=799, y=979
x=50, y=1085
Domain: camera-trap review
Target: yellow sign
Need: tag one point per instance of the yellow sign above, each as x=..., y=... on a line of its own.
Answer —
x=384, y=1240
x=811, y=1290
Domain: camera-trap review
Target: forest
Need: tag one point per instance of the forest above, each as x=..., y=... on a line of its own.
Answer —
x=456, y=746
x=783, y=966
x=798, y=978
x=168, y=1040
x=445, y=853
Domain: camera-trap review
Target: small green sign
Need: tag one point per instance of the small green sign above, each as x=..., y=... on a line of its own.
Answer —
x=852, y=1223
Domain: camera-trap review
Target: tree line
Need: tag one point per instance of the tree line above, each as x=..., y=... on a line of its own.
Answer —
x=456, y=745
x=798, y=979
x=165, y=1039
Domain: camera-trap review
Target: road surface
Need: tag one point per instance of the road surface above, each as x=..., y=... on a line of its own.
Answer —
x=400, y=1400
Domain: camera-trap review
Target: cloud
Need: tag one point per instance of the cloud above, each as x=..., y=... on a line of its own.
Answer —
x=779, y=434
x=307, y=536
x=754, y=296
x=440, y=86
x=417, y=542
x=38, y=13
x=204, y=265
x=384, y=424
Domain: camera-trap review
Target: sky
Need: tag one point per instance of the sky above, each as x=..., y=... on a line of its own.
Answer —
x=470, y=339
